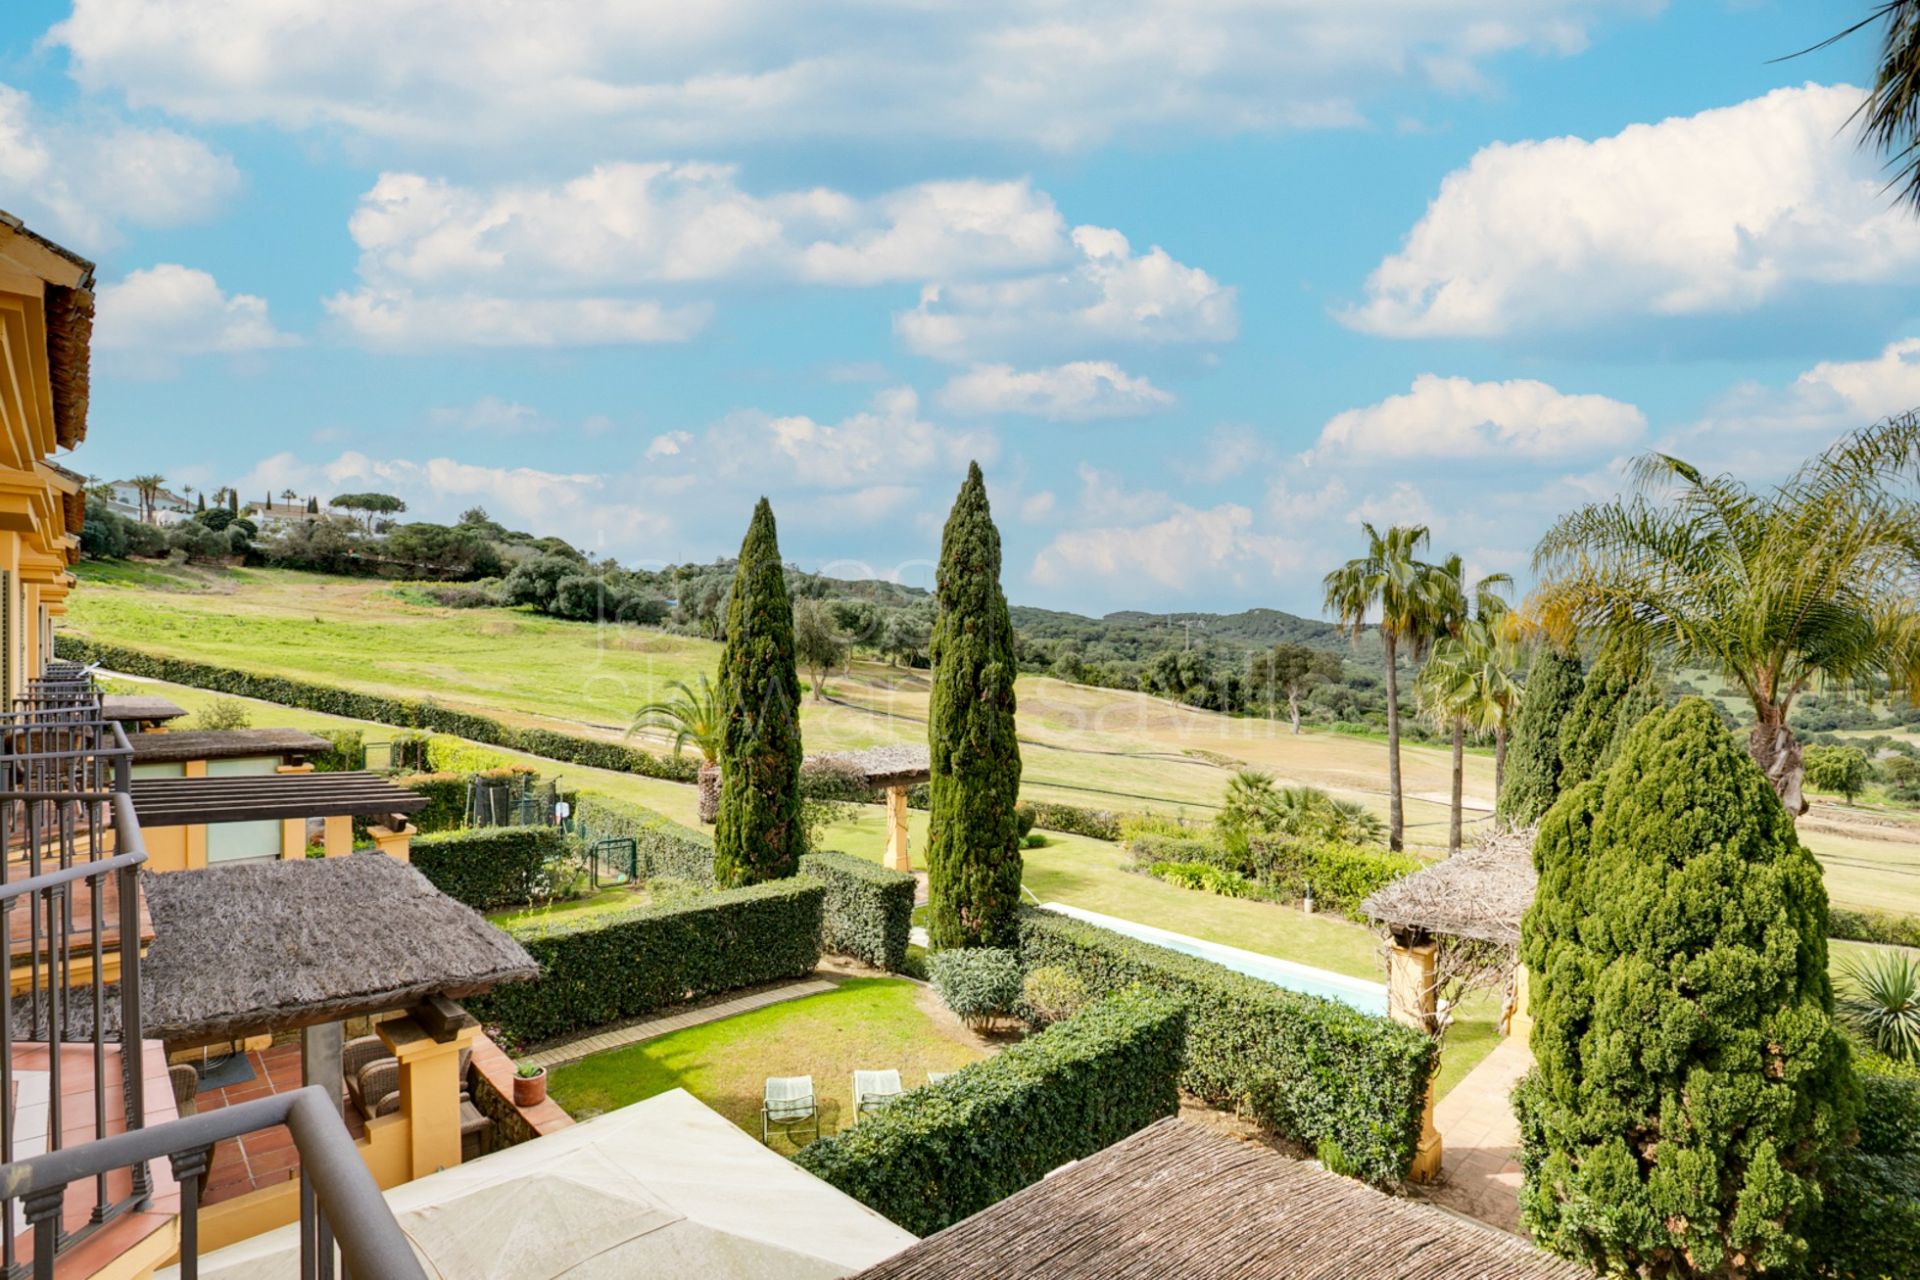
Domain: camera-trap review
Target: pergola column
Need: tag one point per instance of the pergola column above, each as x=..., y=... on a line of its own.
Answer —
x=427, y=1044
x=1413, y=999
x=1520, y=1016
x=394, y=841
x=897, y=858
x=320, y=1050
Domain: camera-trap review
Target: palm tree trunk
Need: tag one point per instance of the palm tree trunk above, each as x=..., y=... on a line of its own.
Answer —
x=709, y=791
x=1396, y=823
x=1459, y=776
x=1293, y=709
x=1499, y=760
x=1773, y=747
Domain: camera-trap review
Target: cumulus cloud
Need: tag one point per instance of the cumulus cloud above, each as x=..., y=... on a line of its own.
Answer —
x=490, y=414
x=83, y=180
x=168, y=311
x=655, y=223
x=1456, y=418
x=399, y=320
x=1080, y=391
x=1187, y=549
x=1110, y=296
x=668, y=444
x=687, y=77
x=877, y=445
x=1716, y=212
x=1753, y=425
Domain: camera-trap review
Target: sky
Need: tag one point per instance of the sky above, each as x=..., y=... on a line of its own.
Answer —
x=1202, y=284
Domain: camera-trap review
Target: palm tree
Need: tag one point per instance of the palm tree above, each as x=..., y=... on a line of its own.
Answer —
x=1391, y=579
x=1450, y=686
x=1810, y=582
x=692, y=716
x=148, y=487
x=1890, y=116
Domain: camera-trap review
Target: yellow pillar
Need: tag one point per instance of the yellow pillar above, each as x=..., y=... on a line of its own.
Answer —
x=897, y=858
x=1413, y=1000
x=337, y=836
x=429, y=1089
x=395, y=844
x=1520, y=1015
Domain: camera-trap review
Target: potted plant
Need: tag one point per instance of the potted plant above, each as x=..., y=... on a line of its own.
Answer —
x=529, y=1086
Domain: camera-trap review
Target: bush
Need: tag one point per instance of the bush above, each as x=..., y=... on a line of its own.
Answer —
x=1210, y=879
x=1073, y=820
x=491, y=867
x=603, y=969
x=1307, y=1067
x=869, y=909
x=1532, y=784
x=404, y=713
x=1874, y=926
x=666, y=850
x=1839, y=769
x=1879, y=1001
x=1869, y=1224
x=948, y=1150
x=223, y=714
x=348, y=754
x=1051, y=994
x=1149, y=849
x=1342, y=875
x=978, y=984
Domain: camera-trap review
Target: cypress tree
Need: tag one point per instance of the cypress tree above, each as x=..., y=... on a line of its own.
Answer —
x=973, y=841
x=1533, y=760
x=758, y=834
x=1690, y=1088
x=1619, y=690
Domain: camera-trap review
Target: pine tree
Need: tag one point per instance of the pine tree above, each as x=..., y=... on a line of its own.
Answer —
x=973, y=841
x=1690, y=1087
x=759, y=834
x=1533, y=760
x=1620, y=689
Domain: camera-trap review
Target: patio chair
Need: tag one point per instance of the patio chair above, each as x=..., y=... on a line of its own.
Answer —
x=874, y=1091
x=372, y=1074
x=788, y=1102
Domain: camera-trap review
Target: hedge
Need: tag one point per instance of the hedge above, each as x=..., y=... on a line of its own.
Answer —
x=1869, y=1224
x=490, y=867
x=1310, y=1068
x=944, y=1151
x=603, y=969
x=869, y=909
x=1873, y=926
x=1072, y=819
x=666, y=849
x=402, y=713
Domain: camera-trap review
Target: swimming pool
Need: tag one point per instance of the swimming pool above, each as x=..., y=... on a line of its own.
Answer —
x=1367, y=997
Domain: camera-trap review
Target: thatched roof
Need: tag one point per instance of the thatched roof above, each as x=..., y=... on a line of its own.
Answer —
x=1480, y=892
x=218, y=744
x=1178, y=1201
x=882, y=766
x=69, y=342
x=255, y=947
x=134, y=707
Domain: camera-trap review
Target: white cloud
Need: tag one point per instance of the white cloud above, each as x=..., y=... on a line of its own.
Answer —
x=626, y=224
x=668, y=444
x=169, y=310
x=655, y=74
x=396, y=319
x=490, y=414
x=1758, y=428
x=1456, y=418
x=1080, y=391
x=1188, y=549
x=1229, y=451
x=1716, y=212
x=878, y=445
x=1105, y=497
x=1037, y=506
x=83, y=180
x=1402, y=504
x=1109, y=296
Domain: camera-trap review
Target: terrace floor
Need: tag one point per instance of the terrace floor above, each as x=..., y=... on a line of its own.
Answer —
x=265, y=1157
x=1480, y=1139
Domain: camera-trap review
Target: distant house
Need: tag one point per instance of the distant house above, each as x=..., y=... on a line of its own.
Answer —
x=272, y=515
x=168, y=507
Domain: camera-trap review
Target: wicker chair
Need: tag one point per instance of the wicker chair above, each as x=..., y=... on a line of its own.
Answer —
x=186, y=1087
x=373, y=1076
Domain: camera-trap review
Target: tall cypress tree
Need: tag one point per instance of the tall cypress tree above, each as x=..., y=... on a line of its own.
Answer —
x=1533, y=760
x=1620, y=689
x=759, y=835
x=973, y=843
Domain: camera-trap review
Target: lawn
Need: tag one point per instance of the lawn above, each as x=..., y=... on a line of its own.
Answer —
x=864, y=1024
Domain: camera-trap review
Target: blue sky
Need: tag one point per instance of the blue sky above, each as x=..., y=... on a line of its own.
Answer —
x=1201, y=286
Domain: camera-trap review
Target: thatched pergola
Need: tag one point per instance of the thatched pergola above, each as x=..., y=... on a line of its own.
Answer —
x=142, y=710
x=893, y=770
x=177, y=746
x=1178, y=1201
x=1480, y=892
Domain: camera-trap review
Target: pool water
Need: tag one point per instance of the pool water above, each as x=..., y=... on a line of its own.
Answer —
x=1367, y=997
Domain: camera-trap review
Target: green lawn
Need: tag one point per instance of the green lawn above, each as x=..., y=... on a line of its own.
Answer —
x=864, y=1024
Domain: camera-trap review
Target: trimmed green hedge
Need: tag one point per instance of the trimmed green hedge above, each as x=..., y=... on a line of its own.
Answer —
x=603, y=969
x=1873, y=926
x=869, y=909
x=403, y=713
x=1312, y=1069
x=947, y=1150
x=667, y=849
x=490, y=867
x=1072, y=819
x=1869, y=1225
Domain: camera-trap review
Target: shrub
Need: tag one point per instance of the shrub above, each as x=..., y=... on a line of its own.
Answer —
x=1098, y=824
x=1690, y=1087
x=1307, y=1067
x=403, y=713
x=1148, y=849
x=603, y=969
x=948, y=1150
x=1051, y=994
x=978, y=984
x=1211, y=879
x=1869, y=1225
x=223, y=714
x=348, y=754
x=492, y=867
x=1839, y=769
x=666, y=850
x=1533, y=757
x=1879, y=1001
x=446, y=793
x=1342, y=875
x=1874, y=926
x=1616, y=694
x=869, y=909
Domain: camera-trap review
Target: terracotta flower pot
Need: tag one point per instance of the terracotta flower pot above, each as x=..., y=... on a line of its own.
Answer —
x=530, y=1091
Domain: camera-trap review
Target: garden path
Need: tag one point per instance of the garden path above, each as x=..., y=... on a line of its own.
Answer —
x=1480, y=1158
